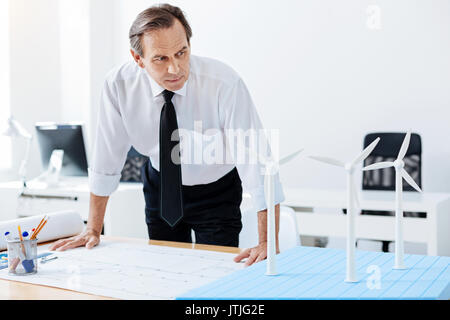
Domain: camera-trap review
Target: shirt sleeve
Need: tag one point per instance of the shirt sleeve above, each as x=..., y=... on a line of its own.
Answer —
x=111, y=145
x=240, y=119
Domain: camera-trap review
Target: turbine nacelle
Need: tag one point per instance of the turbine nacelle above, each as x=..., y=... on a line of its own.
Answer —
x=349, y=168
x=399, y=164
x=271, y=167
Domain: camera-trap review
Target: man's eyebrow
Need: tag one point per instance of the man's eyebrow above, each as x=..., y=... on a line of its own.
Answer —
x=157, y=56
x=160, y=56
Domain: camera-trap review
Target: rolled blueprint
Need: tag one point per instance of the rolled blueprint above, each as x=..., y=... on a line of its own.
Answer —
x=60, y=224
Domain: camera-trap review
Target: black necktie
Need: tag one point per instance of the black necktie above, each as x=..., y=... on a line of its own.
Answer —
x=169, y=163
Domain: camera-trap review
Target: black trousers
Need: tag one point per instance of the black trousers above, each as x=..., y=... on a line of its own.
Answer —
x=212, y=210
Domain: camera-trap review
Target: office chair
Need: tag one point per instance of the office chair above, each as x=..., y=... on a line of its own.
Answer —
x=131, y=171
x=384, y=179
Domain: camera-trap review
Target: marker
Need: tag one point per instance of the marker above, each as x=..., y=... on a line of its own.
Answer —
x=8, y=236
x=28, y=247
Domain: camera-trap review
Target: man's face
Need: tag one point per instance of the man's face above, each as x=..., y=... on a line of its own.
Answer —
x=166, y=56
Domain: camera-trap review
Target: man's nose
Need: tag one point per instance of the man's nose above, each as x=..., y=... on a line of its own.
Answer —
x=173, y=68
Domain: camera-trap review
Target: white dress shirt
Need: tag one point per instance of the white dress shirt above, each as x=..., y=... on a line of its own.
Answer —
x=213, y=101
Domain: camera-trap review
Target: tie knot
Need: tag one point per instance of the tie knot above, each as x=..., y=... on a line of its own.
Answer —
x=168, y=95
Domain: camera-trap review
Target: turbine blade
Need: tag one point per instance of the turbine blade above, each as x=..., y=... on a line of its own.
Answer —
x=366, y=152
x=289, y=157
x=379, y=165
x=405, y=145
x=410, y=180
x=331, y=161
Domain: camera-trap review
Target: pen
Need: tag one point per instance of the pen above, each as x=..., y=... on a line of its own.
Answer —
x=46, y=259
x=27, y=244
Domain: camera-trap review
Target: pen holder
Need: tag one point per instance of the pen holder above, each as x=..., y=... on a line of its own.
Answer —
x=22, y=257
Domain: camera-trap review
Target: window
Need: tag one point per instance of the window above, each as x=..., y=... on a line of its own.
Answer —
x=5, y=142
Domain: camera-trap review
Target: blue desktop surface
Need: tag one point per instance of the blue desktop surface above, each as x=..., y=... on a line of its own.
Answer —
x=319, y=273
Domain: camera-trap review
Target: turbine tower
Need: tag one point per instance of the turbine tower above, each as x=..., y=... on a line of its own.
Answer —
x=271, y=169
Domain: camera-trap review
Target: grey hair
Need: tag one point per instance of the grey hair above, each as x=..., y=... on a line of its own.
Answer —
x=157, y=17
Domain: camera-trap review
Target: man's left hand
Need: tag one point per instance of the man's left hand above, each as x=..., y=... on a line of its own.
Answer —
x=253, y=255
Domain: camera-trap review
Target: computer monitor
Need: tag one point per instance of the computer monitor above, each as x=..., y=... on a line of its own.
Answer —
x=67, y=137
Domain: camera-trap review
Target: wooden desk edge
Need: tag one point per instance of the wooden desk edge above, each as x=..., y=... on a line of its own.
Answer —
x=16, y=290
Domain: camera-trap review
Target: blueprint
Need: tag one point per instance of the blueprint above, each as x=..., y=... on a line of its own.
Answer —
x=131, y=271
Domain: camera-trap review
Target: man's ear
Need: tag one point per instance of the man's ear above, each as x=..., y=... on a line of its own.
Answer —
x=137, y=58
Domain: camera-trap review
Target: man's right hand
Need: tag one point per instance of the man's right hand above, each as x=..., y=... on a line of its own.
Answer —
x=88, y=238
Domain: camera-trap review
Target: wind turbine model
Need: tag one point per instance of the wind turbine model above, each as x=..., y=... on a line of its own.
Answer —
x=400, y=173
x=271, y=169
x=352, y=199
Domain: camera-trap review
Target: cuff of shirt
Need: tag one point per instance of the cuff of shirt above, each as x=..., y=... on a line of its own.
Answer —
x=101, y=184
x=259, y=199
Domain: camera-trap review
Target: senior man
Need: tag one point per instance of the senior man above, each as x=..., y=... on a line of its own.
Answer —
x=146, y=103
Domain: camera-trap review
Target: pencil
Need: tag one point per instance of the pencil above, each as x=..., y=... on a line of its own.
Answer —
x=21, y=239
x=39, y=230
x=20, y=233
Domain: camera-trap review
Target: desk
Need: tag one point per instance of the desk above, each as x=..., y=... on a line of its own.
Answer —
x=24, y=291
x=433, y=230
x=124, y=217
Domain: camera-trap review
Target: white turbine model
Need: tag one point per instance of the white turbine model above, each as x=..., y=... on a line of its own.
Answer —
x=400, y=173
x=352, y=199
x=271, y=169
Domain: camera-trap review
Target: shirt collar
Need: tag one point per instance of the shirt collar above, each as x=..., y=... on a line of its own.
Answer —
x=157, y=89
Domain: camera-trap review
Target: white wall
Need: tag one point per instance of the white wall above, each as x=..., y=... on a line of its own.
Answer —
x=322, y=72
x=101, y=53
x=59, y=56
x=35, y=71
x=74, y=36
x=327, y=72
x=5, y=142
